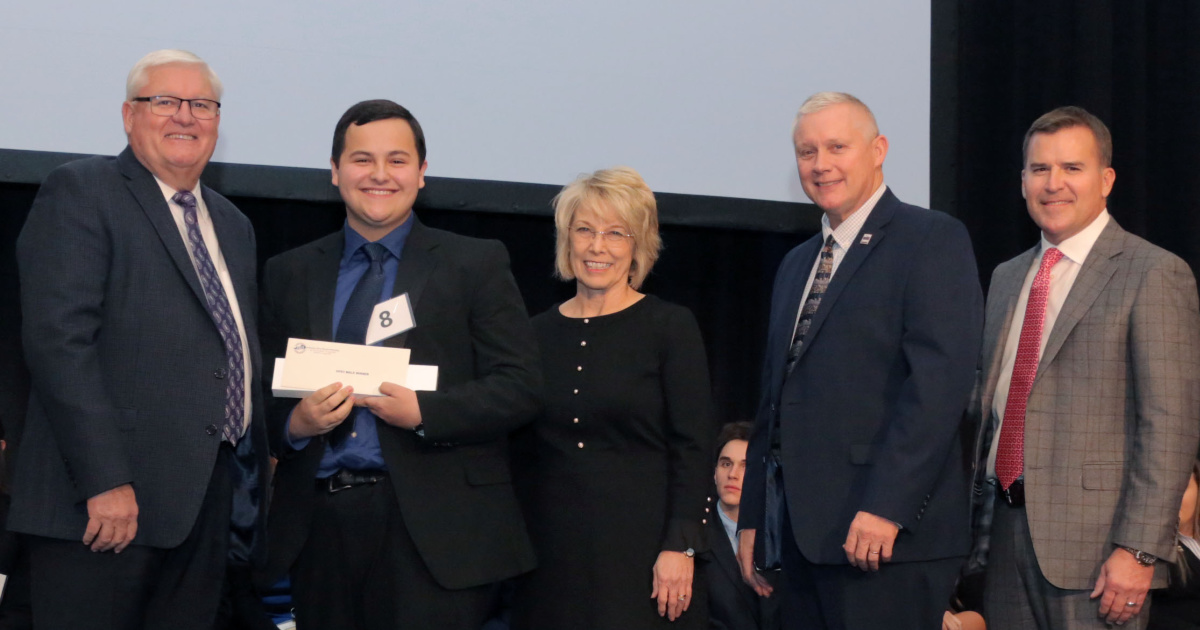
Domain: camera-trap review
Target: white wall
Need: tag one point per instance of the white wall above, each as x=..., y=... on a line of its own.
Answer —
x=696, y=94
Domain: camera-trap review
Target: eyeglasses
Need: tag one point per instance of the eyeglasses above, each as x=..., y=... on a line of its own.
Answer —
x=586, y=234
x=202, y=108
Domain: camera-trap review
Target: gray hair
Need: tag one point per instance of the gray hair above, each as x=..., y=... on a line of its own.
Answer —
x=137, y=75
x=821, y=100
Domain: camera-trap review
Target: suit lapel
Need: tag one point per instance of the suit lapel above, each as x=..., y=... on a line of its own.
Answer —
x=149, y=196
x=880, y=216
x=417, y=263
x=789, y=305
x=723, y=555
x=1097, y=269
x=1001, y=308
x=322, y=284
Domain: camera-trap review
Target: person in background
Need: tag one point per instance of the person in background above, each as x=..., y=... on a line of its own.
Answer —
x=732, y=604
x=1177, y=607
x=618, y=492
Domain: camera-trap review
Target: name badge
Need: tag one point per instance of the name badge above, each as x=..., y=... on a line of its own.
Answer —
x=390, y=318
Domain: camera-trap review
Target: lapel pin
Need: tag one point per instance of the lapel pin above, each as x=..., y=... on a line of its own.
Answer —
x=866, y=238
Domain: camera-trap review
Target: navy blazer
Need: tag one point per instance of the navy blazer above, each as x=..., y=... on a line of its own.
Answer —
x=870, y=417
x=732, y=604
x=126, y=362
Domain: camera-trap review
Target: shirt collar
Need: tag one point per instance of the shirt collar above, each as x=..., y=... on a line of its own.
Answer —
x=169, y=192
x=848, y=230
x=729, y=524
x=1077, y=247
x=393, y=241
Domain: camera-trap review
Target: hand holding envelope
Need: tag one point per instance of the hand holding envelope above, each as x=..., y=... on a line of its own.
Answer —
x=397, y=406
x=332, y=378
x=321, y=411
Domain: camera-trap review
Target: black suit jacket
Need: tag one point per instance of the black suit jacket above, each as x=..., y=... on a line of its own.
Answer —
x=454, y=486
x=732, y=604
x=870, y=417
x=126, y=362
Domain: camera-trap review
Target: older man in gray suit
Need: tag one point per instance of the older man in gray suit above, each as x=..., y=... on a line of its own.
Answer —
x=141, y=476
x=1090, y=396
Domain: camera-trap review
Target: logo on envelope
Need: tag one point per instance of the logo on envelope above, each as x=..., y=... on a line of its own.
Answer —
x=299, y=348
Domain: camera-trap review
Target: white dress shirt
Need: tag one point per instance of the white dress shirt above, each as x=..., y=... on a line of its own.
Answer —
x=1075, y=250
x=204, y=221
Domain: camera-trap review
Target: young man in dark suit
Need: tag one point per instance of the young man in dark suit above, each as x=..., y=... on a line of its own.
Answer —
x=398, y=510
x=145, y=436
x=733, y=604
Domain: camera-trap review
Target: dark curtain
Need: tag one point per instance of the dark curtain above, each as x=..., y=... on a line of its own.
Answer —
x=1000, y=65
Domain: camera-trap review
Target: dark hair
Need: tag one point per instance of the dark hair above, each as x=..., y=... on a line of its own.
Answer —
x=369, y=112
x=1065, y=118
x=733, y=431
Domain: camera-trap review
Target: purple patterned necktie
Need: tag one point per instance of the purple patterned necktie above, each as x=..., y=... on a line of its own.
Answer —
x=819, y=285
x=218, y=307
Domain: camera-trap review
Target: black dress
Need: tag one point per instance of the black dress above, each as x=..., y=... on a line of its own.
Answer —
x=622, y=467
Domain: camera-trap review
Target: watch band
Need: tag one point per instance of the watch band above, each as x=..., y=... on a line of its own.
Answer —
x=1143, y=558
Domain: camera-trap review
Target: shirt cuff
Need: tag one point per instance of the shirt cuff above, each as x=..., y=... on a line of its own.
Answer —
x=295, y=445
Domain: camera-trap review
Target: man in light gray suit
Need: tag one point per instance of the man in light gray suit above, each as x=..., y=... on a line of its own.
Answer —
x=141, y=477
x=1089, y=400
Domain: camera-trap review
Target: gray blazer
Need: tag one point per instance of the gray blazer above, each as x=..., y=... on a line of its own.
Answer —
x=1113, y=418
x=125, y=360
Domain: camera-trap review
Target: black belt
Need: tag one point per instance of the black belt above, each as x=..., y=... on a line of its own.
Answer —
x=1014, y=495
x=343, y=479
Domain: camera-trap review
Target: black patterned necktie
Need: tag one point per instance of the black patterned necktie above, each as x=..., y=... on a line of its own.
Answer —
x=819, y=285
x=222, y=315
x=352, y=328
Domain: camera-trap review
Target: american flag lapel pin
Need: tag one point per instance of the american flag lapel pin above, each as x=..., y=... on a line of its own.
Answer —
x=866, y=238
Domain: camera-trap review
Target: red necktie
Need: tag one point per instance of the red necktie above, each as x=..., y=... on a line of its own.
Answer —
x=1010, y=455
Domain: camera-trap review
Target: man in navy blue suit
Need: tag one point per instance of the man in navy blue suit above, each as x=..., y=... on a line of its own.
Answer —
x=856, y=481
x=143, y=465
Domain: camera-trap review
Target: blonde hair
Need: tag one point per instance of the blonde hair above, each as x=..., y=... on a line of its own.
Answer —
x=623, y=192
x=169, y=56
x=821, y=100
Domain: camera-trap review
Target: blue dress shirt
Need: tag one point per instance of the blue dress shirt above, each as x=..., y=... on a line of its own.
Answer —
x=361, y=450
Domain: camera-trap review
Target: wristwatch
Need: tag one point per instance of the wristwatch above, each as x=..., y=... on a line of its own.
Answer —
x=1142, y=557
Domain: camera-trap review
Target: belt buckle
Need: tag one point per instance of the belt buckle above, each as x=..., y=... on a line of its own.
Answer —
x=1014, y=495
x=335, y=486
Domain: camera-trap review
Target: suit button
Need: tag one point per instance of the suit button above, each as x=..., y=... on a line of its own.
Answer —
x=210, y=429
x=219, y=373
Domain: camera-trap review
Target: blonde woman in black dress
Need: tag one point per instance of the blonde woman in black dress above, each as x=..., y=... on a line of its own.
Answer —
x=617, y=499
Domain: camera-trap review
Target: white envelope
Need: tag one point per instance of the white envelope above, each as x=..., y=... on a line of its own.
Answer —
x=311, y=365
x=419, y=378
